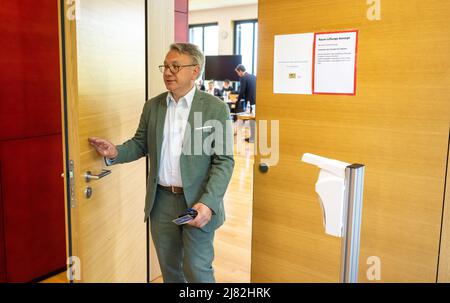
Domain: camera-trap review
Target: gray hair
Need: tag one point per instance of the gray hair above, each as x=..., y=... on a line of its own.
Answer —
x=191, y=50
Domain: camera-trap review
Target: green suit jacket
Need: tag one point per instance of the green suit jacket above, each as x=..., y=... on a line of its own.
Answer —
x=206, y=162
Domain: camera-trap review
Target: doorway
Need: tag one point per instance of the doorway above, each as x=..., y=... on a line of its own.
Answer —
x=216, y=27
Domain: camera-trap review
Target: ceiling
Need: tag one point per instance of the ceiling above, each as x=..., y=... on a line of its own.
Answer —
x=195, y=5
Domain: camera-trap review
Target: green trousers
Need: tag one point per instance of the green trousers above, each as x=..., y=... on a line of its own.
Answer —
x=185, y=253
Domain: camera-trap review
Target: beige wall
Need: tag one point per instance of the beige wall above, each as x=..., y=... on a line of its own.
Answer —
x=161, y=28
x=161, y=33
x=224, y=17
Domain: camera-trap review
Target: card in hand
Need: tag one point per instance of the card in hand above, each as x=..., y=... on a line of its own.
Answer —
x=183, y=219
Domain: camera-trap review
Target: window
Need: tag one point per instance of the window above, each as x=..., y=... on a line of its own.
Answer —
x=246, y=43
x=205, y=36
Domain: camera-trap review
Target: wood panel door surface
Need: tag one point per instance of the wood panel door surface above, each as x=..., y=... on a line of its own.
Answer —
x=104, y=59
x=397, y=125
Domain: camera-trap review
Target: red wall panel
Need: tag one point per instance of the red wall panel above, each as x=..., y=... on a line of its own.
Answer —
x=33, y=207
x=181, y=6
x=2, y=237
x=29, y=69
x=181, y=27
x=32, y=236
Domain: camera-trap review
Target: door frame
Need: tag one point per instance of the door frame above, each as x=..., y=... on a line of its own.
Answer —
x=443, y=263
x=65, y=92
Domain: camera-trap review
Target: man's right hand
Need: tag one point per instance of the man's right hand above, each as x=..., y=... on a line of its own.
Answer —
x=104, y=147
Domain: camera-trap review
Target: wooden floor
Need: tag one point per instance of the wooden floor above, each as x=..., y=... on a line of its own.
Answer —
x=233, y=240
x=61, y=278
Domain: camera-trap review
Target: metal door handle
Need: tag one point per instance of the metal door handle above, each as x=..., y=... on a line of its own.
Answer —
x=89, y=176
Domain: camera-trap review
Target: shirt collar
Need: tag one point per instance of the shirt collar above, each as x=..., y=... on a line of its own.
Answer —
x=188, y=98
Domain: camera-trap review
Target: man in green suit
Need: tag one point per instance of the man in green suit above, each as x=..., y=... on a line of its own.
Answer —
x=188, y=137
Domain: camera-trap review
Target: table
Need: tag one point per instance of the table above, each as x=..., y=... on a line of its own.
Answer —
x=251, y=118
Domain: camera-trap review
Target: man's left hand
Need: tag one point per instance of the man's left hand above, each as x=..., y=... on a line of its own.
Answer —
x=204, y=214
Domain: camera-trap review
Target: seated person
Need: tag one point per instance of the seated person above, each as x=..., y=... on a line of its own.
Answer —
x=227, y=87
x=200, y=85
x=213, y=90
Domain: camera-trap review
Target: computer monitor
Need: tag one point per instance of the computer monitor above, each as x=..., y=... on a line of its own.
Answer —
x=222, y=67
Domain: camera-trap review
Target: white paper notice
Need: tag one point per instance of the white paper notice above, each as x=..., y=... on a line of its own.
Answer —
x=292, y=70
x=335, y=63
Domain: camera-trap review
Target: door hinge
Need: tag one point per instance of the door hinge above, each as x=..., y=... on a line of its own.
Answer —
x=73, y=203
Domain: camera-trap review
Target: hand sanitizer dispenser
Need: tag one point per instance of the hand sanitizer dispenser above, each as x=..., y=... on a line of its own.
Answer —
x=330, y=187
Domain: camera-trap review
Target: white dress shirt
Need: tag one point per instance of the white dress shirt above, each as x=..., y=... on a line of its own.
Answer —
x=174, y=127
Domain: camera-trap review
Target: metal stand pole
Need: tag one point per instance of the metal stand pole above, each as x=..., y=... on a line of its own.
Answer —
x=353, y=201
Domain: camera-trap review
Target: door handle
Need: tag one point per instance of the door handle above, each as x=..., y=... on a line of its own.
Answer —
x=89, y=176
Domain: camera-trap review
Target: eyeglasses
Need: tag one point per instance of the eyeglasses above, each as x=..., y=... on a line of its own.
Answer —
x=173, y=68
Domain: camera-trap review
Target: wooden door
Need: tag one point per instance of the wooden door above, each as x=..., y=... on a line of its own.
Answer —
x=397, y=125
x=104, y=70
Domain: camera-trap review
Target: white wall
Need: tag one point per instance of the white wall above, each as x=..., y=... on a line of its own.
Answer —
x=225, y=18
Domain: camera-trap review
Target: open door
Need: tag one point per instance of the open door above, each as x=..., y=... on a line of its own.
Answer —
x=104, y=89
